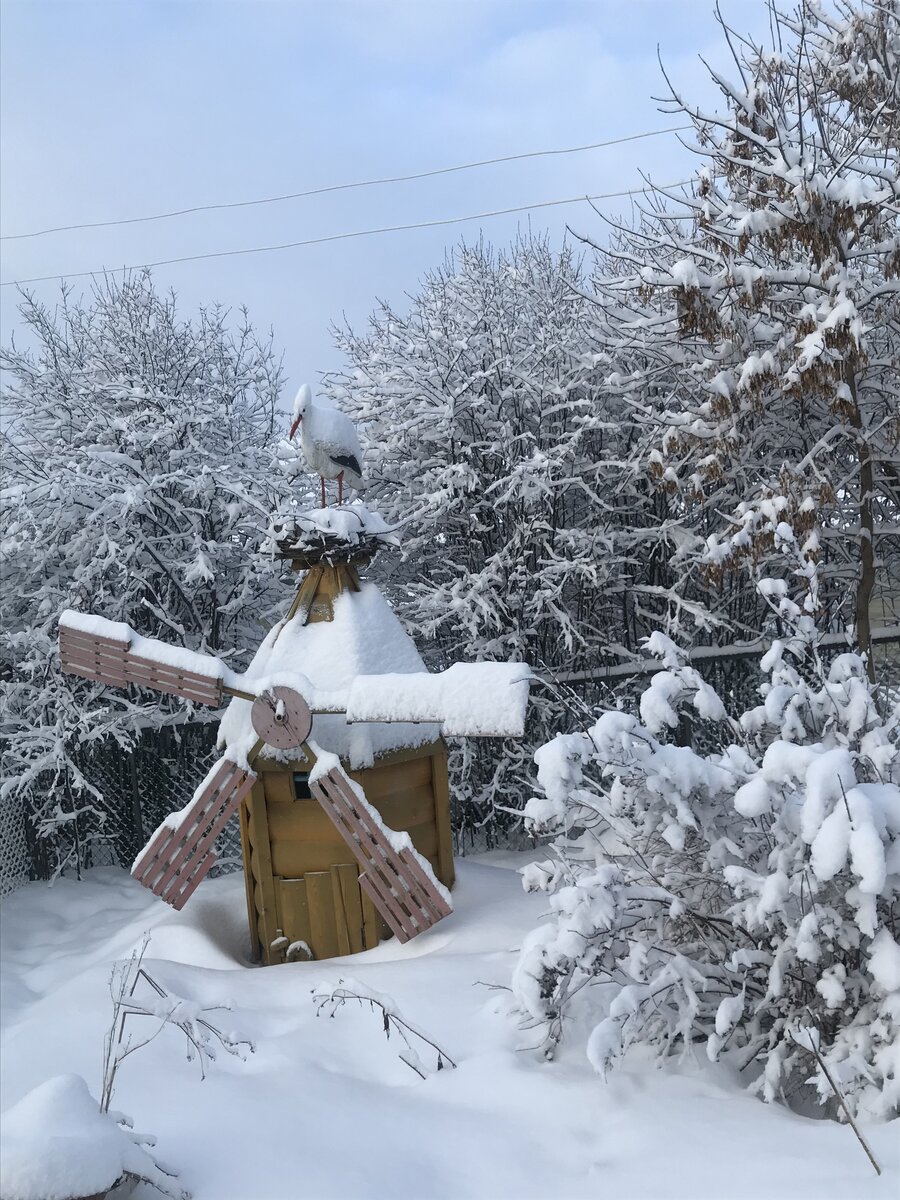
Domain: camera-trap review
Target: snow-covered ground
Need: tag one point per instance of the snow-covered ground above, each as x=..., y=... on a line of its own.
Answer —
x=325, y=1108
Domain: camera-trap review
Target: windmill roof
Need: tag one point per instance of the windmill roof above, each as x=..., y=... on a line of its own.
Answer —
x=364, y=638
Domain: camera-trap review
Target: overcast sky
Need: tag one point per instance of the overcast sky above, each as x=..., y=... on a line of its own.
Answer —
x=130, y=107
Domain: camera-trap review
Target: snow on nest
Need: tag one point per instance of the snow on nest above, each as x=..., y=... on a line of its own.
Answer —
x=350, y=524
x=56, y=1144
x=365, y=638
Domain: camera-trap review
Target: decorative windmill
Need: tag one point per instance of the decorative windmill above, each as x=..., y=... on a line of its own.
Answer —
x=312, y=728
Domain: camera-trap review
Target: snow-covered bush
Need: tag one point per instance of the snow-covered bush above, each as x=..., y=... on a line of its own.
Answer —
x=730, y=899
x=137, y=483
x=56, y=1144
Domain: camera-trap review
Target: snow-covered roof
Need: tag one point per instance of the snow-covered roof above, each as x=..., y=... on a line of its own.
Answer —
x=364, y=638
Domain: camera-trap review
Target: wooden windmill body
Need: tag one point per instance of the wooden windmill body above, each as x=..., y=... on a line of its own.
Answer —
x=302, y=886
x=332, y=754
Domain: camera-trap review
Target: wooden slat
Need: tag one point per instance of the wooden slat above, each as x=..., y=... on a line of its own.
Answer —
x=137, y=663
x=176, y=860
x=341, y=920
x=398, y=929
x=440, y=786
x=373, y=922
x=267, y=922
x=320, y=897
x=106, y=660
x=247, y=853
x=396, y=883
x=190, y=875
x=76, y=636
x=381, y=883
x=347, y=875
x=189, y=837
x=293, y=910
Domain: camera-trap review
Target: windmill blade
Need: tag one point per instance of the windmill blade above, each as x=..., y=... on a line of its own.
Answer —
x=485, y=699
x=111, y=652
x=180, y=853
x=398, y=881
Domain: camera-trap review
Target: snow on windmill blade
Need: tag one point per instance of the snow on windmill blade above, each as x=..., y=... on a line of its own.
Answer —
x=467, y=700
x=395, y=877
x=180, y=853
x=111, y=652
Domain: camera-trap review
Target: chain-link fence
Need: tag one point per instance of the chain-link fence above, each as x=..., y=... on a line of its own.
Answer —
x=736, y=677
x=138, y=787
x=142, y=786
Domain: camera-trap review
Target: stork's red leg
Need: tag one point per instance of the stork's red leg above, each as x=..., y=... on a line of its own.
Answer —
x=322, y=481
x=341, y=488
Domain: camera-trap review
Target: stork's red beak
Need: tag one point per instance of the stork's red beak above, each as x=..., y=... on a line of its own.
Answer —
x=295, y=427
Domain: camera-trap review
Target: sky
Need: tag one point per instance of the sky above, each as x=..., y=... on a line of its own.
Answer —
x=130, y=107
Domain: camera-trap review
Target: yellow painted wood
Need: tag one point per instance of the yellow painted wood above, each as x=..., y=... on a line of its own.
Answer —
x=347, y=875
x=267, y=919
x=249, y=883
x=373, y=926
x=301, y=821
x=305, y=592
x=279, y=786
x=406, y=808
x=307, y=821
x=440, y=786
x=293, y=911
x=386, y=779
x=322, y=928
x=341, y=916
x=424, y=838
x=291, y=859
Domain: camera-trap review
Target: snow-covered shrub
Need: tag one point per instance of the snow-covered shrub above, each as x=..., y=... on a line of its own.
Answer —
x=56, y=1144
x=137, y=483
x=729, y=899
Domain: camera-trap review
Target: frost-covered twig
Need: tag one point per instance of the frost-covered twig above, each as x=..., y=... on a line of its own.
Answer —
x=167, y=1009
x=812, y=1045
x=329, y=999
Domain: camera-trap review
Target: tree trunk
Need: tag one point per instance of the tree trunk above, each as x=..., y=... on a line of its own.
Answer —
x=865, y=584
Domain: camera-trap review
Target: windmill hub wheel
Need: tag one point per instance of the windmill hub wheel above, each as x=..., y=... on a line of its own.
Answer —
x=281, y=717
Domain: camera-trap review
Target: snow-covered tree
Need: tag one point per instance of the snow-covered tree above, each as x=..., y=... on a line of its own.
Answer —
x=491, y=439
x=743, y=900
x=754, y=320
x=137, y=484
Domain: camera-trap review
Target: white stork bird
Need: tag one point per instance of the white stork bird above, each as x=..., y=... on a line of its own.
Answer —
x=328, y=441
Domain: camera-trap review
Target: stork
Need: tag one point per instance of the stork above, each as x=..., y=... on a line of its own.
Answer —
x=329, y=442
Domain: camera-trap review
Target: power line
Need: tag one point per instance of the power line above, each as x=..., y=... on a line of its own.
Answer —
x=340, y=187
x=339, y=237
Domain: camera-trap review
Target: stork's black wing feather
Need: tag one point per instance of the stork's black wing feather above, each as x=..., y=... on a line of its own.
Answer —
x=350, y=461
